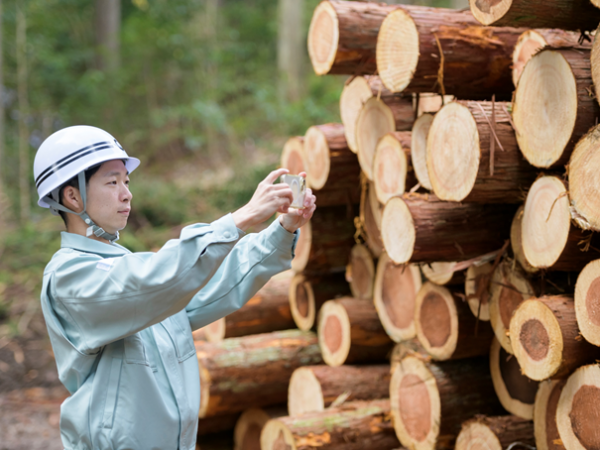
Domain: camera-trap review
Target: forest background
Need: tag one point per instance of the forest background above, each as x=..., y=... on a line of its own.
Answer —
x=204, y=92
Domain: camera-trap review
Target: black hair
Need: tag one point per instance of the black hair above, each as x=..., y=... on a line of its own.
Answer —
x=74, y=182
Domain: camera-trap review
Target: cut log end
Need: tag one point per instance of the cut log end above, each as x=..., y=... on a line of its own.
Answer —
x=537, y=339
x=418, y=150
x=453, y=137
x=436, y=321
x=276, y=436
x=397, y=50
x=246, y=434
x=304, y=393
x=587, y=302
x=546, y=222
x=390, y=168
x=323, y=38
x=529, y=43
x=375, y=120
x=476, y=435
x=395, y=293
x=577, y=414
x=478, y=296
x=494, y=433
x=303, y=246
x=516, y=241
x=334, y=333
x=515, y=391
x=302, y=302
x=489, y=11
x=544, y=415
x=353, y=97
x=215, y=332
x=584, y=183
x=415, y=404
x=361, y=272
x=440, y=273
x=508, y=289
x=317, y=157
x=545, y=108
x=371, y=216
x=292, y=157
x=398, y=231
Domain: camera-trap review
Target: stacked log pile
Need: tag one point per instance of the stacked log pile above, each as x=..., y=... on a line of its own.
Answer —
x=447, y=288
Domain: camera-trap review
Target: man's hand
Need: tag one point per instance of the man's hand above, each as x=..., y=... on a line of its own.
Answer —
x=268, y=199
x=295, y=218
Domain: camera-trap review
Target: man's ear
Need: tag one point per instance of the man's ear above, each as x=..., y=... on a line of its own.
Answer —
x=72, y=199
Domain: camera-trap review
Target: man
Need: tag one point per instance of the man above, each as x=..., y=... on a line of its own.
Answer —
x=121, y=323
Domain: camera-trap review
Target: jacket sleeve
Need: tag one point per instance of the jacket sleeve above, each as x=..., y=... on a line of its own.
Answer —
x=253, y=261
x=99, y=301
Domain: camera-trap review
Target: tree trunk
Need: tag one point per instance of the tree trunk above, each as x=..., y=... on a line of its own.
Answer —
x=217, y=424
x=343, y=35
x=293, y=157
x=290, y=49
x=446, y=327
x=421, y=49
x=546, y=338
x=532, y=41
x=495, y=433
x=315, y=388
x=477, y=290
x=418, y=149
x=516, y=241
x=394, y=296
x=464, y=389
x=421, y=228
x=308, y=293
x=360, y=272
x=350, y=332
x=360, y=89
x=552, y=106
x=252, y=371
x=508, y=289
x=587, y=296
x=549, y=239
x=108, y=29
x=353, y=426
x=268, y=310
x=246, y=435
x=332, y=168
x=577, y=413
x=469, y=161
x=544, y=415
x=567, y=14
x=23, y=102
x=515, y=391
x=325, y=242
x=392, y=168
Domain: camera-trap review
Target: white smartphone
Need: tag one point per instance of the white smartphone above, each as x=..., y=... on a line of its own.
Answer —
x=298, y=186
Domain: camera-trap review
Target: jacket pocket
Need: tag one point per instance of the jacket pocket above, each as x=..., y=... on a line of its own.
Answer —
x=112, y=392
x=178, y=327
x=135, y=352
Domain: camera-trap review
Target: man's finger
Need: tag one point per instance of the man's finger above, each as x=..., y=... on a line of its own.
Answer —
x=270, y=179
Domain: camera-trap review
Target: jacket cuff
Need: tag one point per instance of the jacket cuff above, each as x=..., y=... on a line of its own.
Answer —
x=282, y=238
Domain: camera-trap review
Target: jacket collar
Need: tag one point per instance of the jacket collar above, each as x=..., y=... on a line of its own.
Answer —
x=85, y=244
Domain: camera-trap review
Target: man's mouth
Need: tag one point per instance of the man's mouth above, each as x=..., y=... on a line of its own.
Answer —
x=125, y=212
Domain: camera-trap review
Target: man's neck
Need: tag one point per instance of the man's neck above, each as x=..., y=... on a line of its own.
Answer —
x=76, y=225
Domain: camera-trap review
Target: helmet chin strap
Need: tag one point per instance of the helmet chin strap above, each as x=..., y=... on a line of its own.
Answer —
x=92, y=227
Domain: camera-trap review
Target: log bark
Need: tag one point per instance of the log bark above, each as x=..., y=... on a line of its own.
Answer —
x=509, y=288
x=352, y=426
x=469, y=161
x=293, y=157
x=421, y=49
x=325, y=242
x=394, y=296
x=268, y=310
x=553, y=95
x=549, y=238
x=360, y=272
x=343, y=35
x=315, y=388
x=393, y=173
x=477, y=290
x=546, y=340
x=587, y=293
x=355, y=94
x=446, y=327
x=515, y=391
x=422, y=228
x=544, y=415
x=350, y=332
x=333, y=172
x=570, y=15
x=577, y=413
x=464, y=388
x=308, y=293
x=253, y=371
x=418, y=149
x=495, y=433
x=246, y=434
x=532, y=41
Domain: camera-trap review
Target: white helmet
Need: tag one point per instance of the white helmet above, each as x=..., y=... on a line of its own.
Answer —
x=68, y=153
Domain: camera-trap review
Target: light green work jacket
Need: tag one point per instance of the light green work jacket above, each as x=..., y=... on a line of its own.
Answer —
x=121, y=326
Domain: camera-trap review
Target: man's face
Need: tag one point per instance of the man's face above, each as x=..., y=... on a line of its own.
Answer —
x=108, y=196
